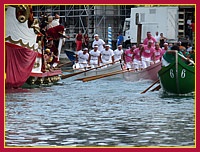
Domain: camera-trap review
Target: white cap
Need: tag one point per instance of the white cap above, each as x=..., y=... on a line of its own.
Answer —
x=107, y=45
x=96, y=35
x=151, y=41
x=85, y=49
x=119, y=45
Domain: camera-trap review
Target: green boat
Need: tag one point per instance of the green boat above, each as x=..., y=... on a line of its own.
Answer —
x=177, y=77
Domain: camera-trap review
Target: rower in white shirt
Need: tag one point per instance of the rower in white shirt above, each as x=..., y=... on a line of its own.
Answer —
x=118, y=53
x=82, y=59
x=107, y=55
x=94, y=57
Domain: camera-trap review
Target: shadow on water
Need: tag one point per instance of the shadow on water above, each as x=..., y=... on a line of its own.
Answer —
x=164, y=94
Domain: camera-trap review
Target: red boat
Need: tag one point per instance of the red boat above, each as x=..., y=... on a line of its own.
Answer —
x=150, y=73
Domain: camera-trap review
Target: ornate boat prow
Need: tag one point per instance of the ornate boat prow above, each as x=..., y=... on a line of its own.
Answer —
x=24, y=54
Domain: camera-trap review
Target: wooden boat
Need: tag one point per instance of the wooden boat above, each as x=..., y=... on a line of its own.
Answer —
x=150, y=73
x=178, y=77
x=98, y=71
x=24, y=56
x=95, y=71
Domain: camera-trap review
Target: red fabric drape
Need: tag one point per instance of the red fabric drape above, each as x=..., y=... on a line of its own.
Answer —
x=19, y=64
x=54, y=32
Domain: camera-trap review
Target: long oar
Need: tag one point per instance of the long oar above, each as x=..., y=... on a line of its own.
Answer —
x=73, y=74
x=102, y=75
x=150, y=86
x=58, y=66
x=69, y=70
x=156, y=88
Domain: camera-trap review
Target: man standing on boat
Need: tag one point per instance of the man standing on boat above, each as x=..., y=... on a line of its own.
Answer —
x=94, y=57
x=128, y=57
x=107, y=55
x=118, y=53
x=82, y=58
x=149, y=37
x=100, y=43
x=147, y=54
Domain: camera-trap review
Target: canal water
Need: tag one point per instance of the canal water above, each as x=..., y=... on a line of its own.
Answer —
x=104, y=112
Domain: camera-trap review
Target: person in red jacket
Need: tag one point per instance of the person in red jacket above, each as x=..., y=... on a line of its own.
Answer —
x=79, y=41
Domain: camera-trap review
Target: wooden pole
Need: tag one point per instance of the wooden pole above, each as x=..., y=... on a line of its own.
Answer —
x=150, y=86
x=139, y=34
x=102, y=76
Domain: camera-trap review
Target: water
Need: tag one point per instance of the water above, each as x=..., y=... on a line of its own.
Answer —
x=104, y=112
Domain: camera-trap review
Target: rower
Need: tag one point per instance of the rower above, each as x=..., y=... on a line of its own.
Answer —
x=137, y=57
x=94, y=57
x=118, y=53
x=107, y=55
x=157, y=56
x=147, y=54
x=128, y=57
x=82, y=59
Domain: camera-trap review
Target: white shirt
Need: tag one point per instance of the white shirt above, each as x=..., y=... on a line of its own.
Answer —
x=100, y=44
x=157, y=37
x=118, y=54
x=55, y=22
x=106, y=55
x=82, y=58
x=94, y=54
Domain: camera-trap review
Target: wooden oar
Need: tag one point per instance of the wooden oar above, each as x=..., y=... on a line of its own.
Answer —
x=102, y=75
x=69, y=70
x=156, y=88
x=73, y=74
x=64, y=64
x=150, y=86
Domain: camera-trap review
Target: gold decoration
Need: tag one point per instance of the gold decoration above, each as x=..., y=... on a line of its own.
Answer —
x=36, y=65
x=21, y=43
x=22, y=13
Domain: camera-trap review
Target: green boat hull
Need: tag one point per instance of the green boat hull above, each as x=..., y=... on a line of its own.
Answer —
x=177, y=78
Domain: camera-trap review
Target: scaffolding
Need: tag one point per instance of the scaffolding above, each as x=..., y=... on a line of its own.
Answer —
x=91, y=19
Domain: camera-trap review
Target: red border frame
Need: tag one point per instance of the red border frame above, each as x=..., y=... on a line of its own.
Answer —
x=124, y=2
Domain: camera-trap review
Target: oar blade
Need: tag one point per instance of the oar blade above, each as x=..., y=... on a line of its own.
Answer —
x=150, y=86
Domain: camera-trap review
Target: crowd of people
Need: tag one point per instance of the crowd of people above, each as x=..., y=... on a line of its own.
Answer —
x=151, y=51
